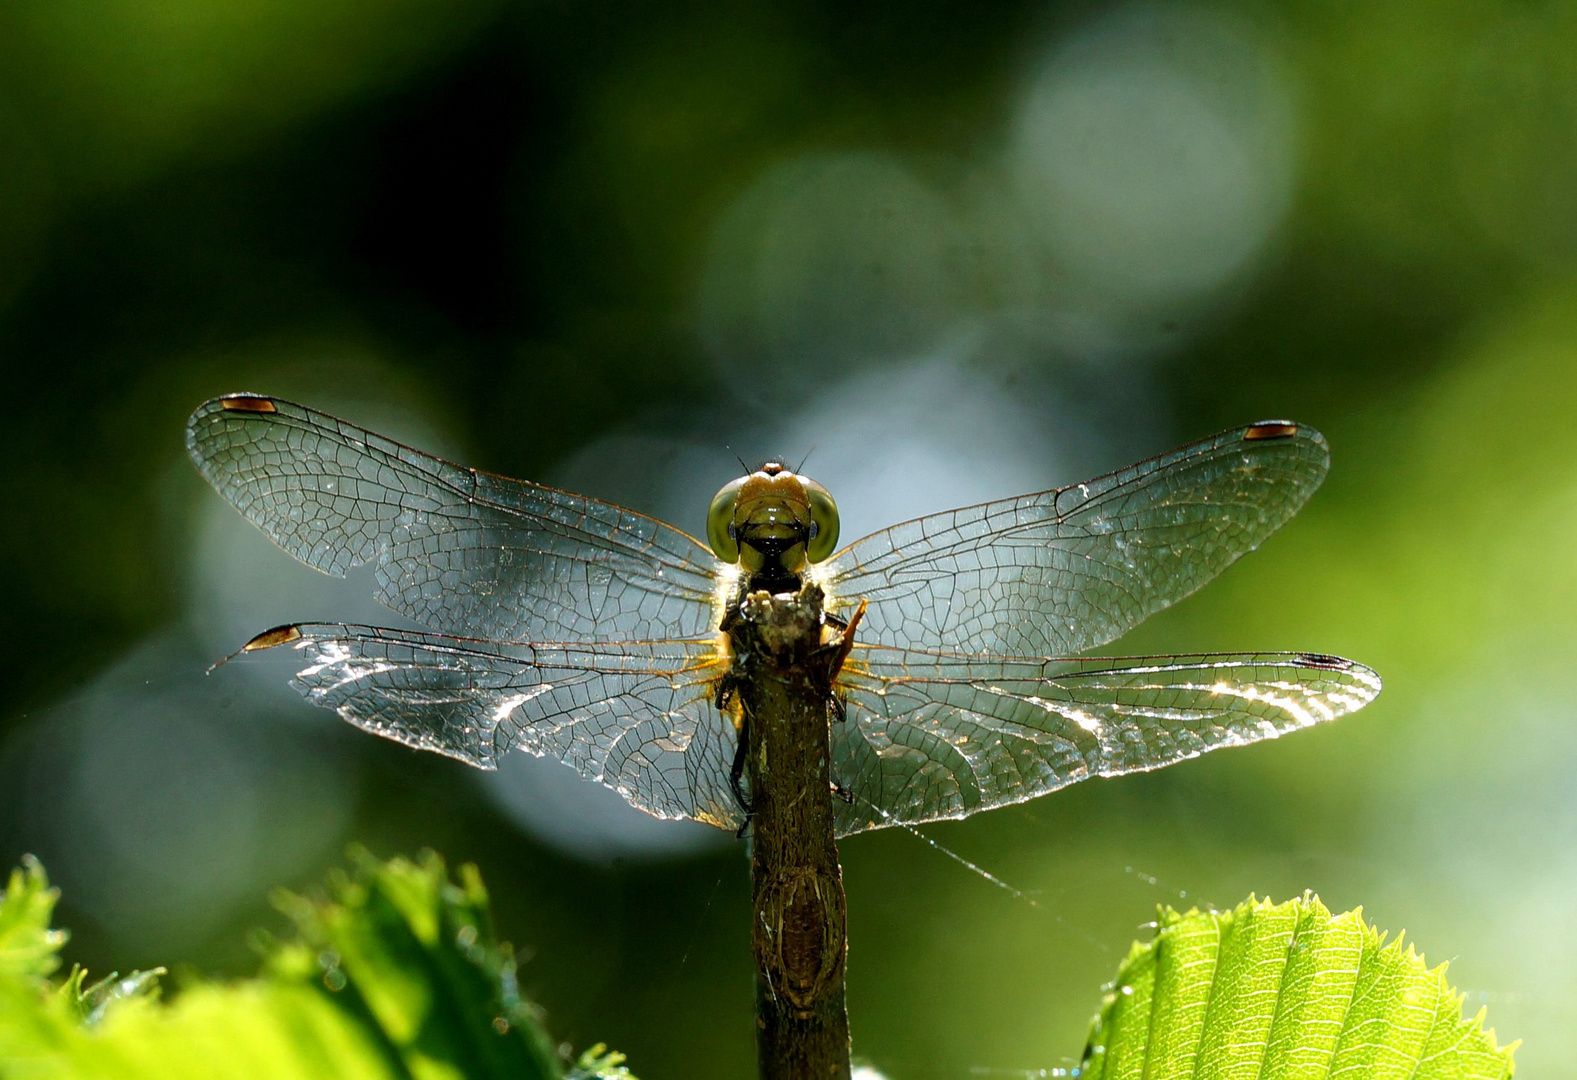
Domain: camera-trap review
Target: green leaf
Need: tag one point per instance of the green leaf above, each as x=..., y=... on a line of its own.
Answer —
x=29, y=949
x=93, y=1002
x=394, y=974
x=1284, y=992
x=401, y=944
x=600, y=1063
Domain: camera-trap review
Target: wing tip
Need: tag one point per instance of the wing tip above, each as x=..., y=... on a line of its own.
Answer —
x=1292, y=433
x=1361, y=673
x=268, y=639
x=243, y=403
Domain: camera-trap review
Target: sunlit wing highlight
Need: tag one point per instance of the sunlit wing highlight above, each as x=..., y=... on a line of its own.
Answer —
x=635, y=716
x=930, y=735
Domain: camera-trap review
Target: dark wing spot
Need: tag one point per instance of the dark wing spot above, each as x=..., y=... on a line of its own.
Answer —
x=247, y=403
x=279, y=635
x=1323, y=661
x=1270, y=429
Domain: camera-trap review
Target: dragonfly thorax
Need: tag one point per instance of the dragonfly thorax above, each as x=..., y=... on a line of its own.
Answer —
x=773, y=522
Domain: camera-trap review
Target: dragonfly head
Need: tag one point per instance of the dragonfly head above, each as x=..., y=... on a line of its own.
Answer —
x=773, y=521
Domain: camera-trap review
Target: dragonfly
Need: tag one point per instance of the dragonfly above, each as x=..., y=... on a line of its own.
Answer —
x=575, y=629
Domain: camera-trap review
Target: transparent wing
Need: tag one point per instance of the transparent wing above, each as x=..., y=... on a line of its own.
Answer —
x=461, y=551
x=1063, y=571
x=636, y=716
x=933, y=735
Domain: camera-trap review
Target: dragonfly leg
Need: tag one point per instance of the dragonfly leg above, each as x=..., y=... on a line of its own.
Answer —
x=839, y=652
x=731, y=616
x=843, y=793
x=736, y=774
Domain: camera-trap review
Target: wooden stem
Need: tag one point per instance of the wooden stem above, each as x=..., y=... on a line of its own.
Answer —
x=802, y=1027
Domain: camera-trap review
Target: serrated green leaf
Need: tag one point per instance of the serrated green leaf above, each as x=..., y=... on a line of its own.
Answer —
x=395, y=975
x=416, y=952
x=29, y=949
x=600, y=1063
x=1284, y=992
x=93, y=1002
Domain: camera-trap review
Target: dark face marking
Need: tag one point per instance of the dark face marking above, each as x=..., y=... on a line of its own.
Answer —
x=772, y=525
x=772, y=522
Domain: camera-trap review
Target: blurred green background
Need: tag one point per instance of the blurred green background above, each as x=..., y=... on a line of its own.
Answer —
x=955, y=250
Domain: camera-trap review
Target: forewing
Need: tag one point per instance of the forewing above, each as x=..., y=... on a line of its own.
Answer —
x=1063, y=571
x=932, y=735
x=635, y=716
x=461, y=551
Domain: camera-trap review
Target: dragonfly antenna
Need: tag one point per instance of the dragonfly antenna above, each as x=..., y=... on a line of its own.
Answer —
x=737, y=458
x=801, y=467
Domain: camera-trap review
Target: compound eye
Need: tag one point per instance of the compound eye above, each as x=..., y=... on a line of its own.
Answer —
x=720, y=522
x=824, y=516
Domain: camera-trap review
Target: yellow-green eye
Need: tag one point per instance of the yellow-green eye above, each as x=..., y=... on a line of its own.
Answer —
x=720, y=520
x=823, y=520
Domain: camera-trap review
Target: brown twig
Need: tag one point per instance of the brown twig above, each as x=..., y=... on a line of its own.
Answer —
x=786, y=670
